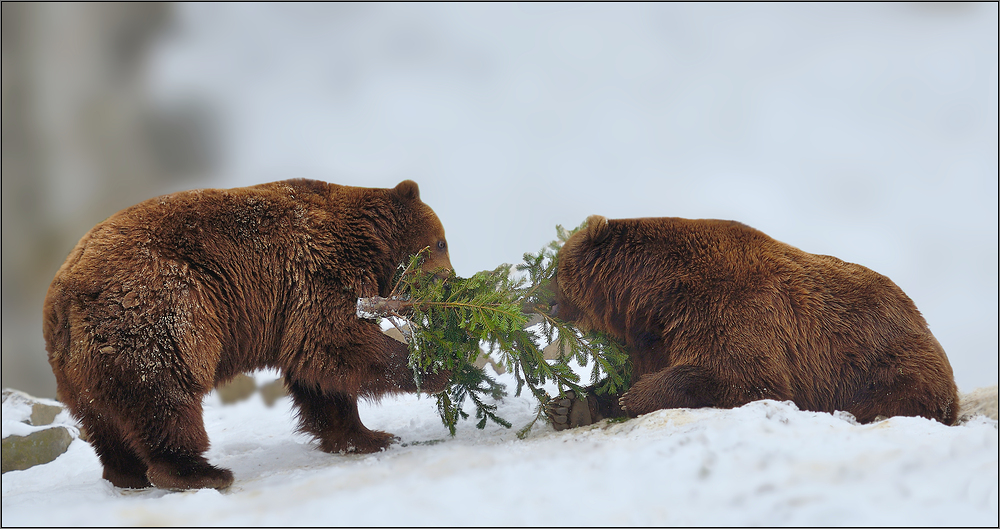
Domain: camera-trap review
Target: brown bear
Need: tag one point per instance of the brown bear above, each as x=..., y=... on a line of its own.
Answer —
x=164, y=300
x=715, y=313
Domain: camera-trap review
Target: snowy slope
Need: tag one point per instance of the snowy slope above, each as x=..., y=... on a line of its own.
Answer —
x=764, y=464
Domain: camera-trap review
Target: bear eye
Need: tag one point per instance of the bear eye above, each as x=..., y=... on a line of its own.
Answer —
x=442, y=245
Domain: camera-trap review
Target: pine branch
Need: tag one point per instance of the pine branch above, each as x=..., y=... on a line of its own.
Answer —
x=446, y=324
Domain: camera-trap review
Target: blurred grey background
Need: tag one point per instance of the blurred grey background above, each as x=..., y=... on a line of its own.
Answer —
x=865, y=131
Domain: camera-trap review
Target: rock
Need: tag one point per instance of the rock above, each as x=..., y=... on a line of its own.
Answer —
x=237, y=389
x=40, y=445
x=24, y=408
x=484, y=359
x=394, y=334
x=982, y=401
x=36, y=448
x=43, y=414
x=15, y=398
x=551, y=351
x=272, y=391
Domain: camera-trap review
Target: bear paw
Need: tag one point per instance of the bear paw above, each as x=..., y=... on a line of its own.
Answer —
x=126, y=480
x=183, y=474
x=633, y=405
x=367, y=443
x=568, y=411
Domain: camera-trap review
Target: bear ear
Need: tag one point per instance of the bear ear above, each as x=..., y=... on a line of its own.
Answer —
x=408, y=190
x=597, y=228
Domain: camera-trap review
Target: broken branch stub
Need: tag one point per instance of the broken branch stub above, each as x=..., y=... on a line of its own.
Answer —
x=379, y=307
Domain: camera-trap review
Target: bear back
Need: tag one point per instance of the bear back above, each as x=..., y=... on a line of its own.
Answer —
x=758, y=314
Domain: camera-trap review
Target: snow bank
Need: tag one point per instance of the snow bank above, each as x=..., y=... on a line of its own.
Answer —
x=766, y=463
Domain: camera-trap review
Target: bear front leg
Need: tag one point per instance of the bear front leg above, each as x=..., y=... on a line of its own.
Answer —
x=398, y=376
x=333, y=419
x=682, y=386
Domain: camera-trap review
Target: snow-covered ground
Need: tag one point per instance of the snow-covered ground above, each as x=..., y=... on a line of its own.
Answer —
x=766, y=463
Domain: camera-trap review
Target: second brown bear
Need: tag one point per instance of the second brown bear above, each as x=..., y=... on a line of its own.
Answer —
x=717, y=314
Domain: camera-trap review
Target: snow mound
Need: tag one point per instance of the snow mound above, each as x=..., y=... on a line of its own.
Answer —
x=766, y=463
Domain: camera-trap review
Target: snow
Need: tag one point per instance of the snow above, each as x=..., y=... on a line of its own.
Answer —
x=766, y=463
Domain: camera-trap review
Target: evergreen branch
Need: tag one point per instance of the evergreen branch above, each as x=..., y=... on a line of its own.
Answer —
x=449, y=321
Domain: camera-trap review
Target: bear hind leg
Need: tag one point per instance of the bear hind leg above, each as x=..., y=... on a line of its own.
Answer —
x=333, y=419
x=681, y=386
x=122, y=465
x=175, y=449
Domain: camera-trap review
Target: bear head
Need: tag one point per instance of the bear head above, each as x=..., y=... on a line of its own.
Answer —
x=578, y=249
x=424, y=230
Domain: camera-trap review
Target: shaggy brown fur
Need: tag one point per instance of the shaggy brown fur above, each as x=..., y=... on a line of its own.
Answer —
x=164, y=300
x=715, y=313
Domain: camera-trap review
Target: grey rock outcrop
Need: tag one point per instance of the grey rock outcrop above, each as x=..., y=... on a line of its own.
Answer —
x=39, y=445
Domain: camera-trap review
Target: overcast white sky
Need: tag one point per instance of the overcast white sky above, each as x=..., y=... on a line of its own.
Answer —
x=865, y=131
